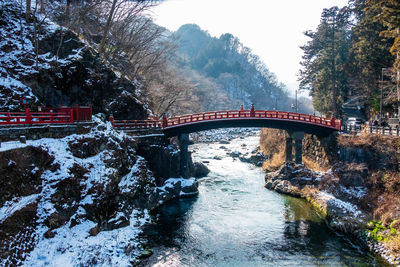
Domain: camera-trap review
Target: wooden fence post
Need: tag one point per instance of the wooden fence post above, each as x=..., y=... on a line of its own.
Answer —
x=252, y=112
x=90, y=112
x=165, y=122
x=77, y=115
x=71, y=115
x=28, y=118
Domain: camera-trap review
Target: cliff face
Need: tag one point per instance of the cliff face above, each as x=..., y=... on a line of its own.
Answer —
x=63, y=198
x=58, y=69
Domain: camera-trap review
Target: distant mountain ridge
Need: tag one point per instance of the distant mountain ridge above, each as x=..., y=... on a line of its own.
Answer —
x=232, y=67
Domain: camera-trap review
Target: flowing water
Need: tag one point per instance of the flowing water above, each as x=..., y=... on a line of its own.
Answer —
x=235, y=221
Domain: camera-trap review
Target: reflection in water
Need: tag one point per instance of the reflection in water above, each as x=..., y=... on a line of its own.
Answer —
x=234, y=221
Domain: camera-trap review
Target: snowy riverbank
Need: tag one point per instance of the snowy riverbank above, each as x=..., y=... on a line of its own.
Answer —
x=79, y=200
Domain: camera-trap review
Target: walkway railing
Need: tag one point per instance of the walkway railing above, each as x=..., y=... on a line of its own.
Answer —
x=223, y=115
x=48, y=116
x=393, y=131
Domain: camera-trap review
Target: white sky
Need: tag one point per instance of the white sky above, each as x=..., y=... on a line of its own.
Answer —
x=273, y=29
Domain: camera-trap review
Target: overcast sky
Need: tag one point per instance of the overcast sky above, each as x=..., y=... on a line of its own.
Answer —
x=273, y=29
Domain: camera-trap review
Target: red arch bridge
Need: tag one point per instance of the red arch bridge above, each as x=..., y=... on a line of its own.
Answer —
x=295, y=124
x=177, y=125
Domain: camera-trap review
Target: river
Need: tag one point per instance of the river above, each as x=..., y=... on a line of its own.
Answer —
x=235, y=221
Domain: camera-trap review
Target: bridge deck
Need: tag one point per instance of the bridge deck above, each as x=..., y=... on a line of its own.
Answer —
x=235, y=118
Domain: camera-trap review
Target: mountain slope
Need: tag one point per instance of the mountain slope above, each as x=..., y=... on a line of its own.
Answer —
x=232, y=66
x=52, y=66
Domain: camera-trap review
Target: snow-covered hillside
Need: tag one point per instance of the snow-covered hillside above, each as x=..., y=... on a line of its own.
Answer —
x=83, y=200
x=53, y=66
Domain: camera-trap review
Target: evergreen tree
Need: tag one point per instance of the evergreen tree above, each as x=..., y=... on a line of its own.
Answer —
x=388, y=13
x=368, y=54
x=324, y=59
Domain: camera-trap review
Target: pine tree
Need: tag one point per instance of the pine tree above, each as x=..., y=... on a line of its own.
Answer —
x=324, y=59
x=368, y=53
x=388, y=13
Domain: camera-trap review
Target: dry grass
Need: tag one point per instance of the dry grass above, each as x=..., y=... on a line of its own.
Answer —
x=272, y=141
x=377, y=141
x=388, y=208
x=275, y=162
x=312, y=165
x=393, y=243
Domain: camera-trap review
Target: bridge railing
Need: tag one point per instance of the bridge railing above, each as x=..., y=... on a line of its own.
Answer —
x=48, y=116
x=206, y=116
x=227, y=114
x=298, y=117
x=82, y=113
x=217, y=115
x=15, y=118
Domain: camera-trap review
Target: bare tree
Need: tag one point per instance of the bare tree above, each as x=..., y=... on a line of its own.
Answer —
x=170, y=93
x=28, y=10
x=119, y=7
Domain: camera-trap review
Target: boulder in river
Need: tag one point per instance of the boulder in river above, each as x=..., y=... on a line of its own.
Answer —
x=200, y=170
x=234, y=154
x=257, y=159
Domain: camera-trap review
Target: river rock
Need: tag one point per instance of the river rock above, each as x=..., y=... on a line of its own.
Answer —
x=200, y=170
x=190, y=189
x=257, y=159
x=234, y=154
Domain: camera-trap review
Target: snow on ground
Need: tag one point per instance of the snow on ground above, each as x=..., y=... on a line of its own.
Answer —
x=128, y=181
x=17, y=53
x=335, y=202
x=16, y=204
x=75, y=247
x=172, y=182
x=355, y=192
x=15, y=45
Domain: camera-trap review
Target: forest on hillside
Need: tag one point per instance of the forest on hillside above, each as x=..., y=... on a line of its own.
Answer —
x=231, y=70
x=353, y=56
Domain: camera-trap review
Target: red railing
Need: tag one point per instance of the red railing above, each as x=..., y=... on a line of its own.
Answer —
x=48, y=116
x=82, y=113
x=229, y=114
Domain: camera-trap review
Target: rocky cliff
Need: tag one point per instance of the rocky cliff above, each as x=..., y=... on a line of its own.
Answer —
x=58, y=69
x=354, y=182
x=82, y=199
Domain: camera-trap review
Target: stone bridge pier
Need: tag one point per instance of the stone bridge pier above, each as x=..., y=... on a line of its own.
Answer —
x=294, y=138
x=185, y=157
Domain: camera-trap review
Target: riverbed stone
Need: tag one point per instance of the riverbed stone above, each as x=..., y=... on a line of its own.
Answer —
x=190, y=189
x=200, y=170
